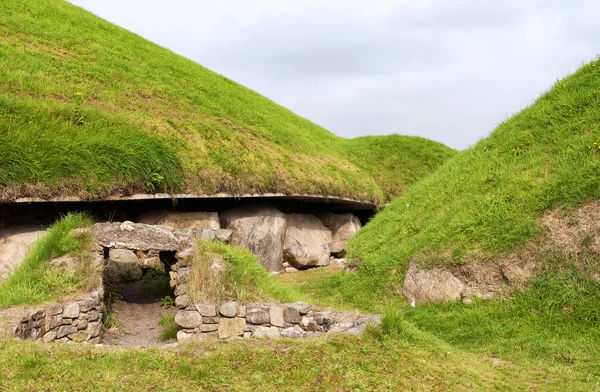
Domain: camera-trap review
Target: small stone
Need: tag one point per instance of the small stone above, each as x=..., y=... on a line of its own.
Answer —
x=292, y=315
x=291, y=269
x=40, y=314
x=65, y=330
x=78, y=336
x=151, y=263
x=180, y=289
x=182, y=274
x=127, y=226
x=173, y=283
x=208, y=327
x=286, y=264
x=185, y=257
x=52, y=322
x=276, y=315
x=303, y=307
x=93, y=329
x=241, y=311
x=188, y=319
x=86, y=305
x=173, y=275
x=293, y=332
x=247, y=335
x=95, y=341
x=325, y=319
x=223, y=235
x=341, y=327
x=182, y=301
x=210, y=320
x=53, y=309
x=182, y=336
x=71, y=310
x=80, y=324
x=308, y=324
x=229, y=309
x=250, y=327
x=62, y=340
x=257, y=315
x=209, y=310
x=49, y=336
x=229, y=327
x=266, y=332
x=208, y=235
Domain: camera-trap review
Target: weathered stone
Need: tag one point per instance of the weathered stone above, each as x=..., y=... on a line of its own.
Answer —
x=276, y=315
x=128, y=235
x=241, y=311
x=229, y=327
x=292, y=332
x=97, y=341
x=261, y=230
x=266, y=332
x=306, y=242
x=209, y=310
x=208, y=327
x=223, y=236
x=65, y=330
x=15, y=242
x=208, y=235
x=93, y=329
x=188, y=319
x=302, y=307
x=71, y=310
x=430, y=286
x=182, y=274
x=308, y=324
x=54, y=309
x=210, y=320
x=181, y=220
x=346, y=317
x=257, y=315
x=151, y=263
x=78, y=337
x=182, y=301
x=185, y=257
x=122, y=266
x=325, y=319
x=80, y=324
x=247, y=335
x=292, y=315
x=250, y=327
x=228, y=309
x=85, y=305
x=291, y=269
x=49, y=336
x=341, y=327
x=180, y=289
x=52, y=322
x=343, y=227
x=182, y=336
x=92, y=315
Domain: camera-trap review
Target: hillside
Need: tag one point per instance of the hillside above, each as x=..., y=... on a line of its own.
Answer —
x=489, y=200
x=89, y=109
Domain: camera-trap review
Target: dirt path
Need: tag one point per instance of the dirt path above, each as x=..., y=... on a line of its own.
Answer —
x=138, y=313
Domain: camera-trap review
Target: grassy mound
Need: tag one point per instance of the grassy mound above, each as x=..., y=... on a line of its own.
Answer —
x=221, y=272
x=489, y=199
x=37, y=280
x=90, y=109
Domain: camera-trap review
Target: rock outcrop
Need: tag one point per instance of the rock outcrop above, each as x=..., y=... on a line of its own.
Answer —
x=343, y=227
x=306, y=242
x=260, y=230
x=431, y=286
x=182, y=220
x=14, y=244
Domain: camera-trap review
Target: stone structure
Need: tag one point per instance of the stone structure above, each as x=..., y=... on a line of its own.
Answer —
x=306, y=242
x=343, y=227
x=73, y=321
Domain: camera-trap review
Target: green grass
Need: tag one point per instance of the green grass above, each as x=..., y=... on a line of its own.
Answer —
x=89, y=109
x=488, y=200
x=243, y=278
x=169, y=328
x=36, y=280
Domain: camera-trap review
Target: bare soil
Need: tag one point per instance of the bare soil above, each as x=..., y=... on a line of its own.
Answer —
x=138, y=312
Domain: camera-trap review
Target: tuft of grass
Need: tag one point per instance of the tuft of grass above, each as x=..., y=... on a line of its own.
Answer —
x=36, y=280
x=169, y=328
x=89, y=109
x=224, y=272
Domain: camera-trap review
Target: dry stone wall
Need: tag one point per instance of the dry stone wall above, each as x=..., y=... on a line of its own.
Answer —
x=77, y=321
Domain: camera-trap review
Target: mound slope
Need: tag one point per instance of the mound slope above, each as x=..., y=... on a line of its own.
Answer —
x=89, y=109
x=489, y=200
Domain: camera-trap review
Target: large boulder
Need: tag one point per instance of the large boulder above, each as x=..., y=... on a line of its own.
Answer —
x=182, y=220
x=259, y=229
x=343, y=227
x=122, y=265
x=14, y=245
x=306, y=242
x=129, y=235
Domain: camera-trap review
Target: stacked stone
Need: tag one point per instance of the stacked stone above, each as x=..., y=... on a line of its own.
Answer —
x=77, y=321
x=269, y=320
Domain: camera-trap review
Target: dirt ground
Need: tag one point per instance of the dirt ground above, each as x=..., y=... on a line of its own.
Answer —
x=138, y=312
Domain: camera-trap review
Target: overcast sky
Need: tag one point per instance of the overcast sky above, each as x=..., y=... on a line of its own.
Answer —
x=449, y=70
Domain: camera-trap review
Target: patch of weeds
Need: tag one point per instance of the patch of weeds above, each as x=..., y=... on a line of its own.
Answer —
x=110, y=321
x=167, y=301
x=587, y=240
x=169, y=328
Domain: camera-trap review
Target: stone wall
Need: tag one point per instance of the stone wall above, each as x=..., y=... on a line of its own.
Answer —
x=73, y=321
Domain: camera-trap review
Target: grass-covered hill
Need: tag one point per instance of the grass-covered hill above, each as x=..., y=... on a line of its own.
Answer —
x=488, y=200
x=89, y=109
